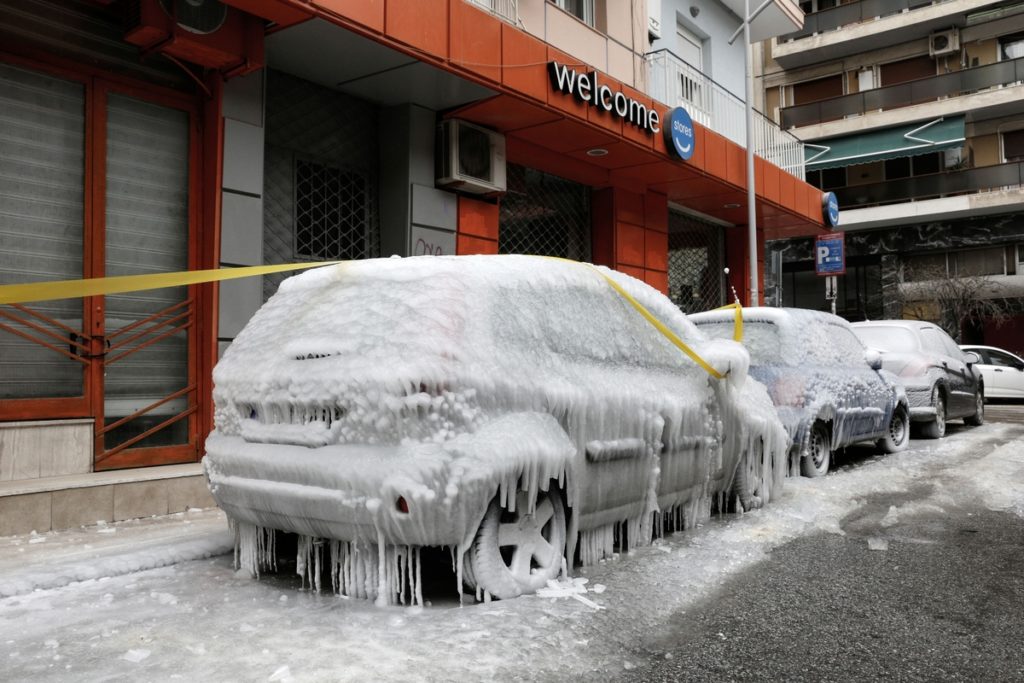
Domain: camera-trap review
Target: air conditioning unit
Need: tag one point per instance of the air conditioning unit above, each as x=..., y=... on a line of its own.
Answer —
x=470, y=158
x=204, y=32
x=944, y=43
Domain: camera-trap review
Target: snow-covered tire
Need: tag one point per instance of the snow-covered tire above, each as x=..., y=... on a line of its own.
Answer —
x=978, y=418
x=936, y=429
x=819, y=452
x=746, y=487
x=516, y=553
x=897, y=434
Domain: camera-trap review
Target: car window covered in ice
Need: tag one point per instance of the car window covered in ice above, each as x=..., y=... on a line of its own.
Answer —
x=832, y=344
x=586, y=322
x=932, y=340
x=761, y=338
x=887, y=338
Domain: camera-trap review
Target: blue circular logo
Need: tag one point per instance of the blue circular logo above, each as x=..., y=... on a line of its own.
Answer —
x=679, y=133
x=831, y=209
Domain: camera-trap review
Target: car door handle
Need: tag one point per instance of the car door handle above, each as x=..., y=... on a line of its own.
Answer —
x=997, y=370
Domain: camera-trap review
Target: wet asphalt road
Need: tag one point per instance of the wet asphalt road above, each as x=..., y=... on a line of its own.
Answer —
x=942, y=599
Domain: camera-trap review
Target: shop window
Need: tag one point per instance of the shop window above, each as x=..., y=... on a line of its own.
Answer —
x=980, y=262
x=581, y=9
x=545, y=215
x=331, y=212
x=696, y=257
x=923, y=267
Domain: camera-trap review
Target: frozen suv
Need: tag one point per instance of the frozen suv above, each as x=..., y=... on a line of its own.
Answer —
x=941, y=380
x=829, y=390
x=517, y=410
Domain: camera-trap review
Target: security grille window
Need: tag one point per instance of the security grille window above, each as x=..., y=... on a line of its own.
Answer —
x=581, y=9
x=331, y=212
x=544, y=214
x=695, y=278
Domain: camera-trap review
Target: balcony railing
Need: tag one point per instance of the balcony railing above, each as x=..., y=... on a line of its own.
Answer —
x=852, y=13
x=967, y=181
x=677, y=83
x=952, y=84
x=506, y=9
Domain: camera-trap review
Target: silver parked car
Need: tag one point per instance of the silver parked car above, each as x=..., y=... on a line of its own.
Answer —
x=516, y=410
x=829, y=390
x=942, y=381
x=1002, y=371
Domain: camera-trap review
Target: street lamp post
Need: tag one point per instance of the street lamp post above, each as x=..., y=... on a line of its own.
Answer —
x=751, y=190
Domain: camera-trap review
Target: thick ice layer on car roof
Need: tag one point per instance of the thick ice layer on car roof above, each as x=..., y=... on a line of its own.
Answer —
x=435, y=350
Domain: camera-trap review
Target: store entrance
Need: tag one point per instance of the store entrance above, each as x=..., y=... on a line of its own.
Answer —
x=95, y=181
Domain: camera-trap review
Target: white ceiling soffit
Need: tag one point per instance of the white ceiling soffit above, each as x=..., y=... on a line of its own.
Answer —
x=778, y=18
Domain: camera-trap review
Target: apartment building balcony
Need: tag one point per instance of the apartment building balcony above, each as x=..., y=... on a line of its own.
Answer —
x=507, y=10
x=992, y=89
x=866, y=25
x=958, y=193
x=674, y=82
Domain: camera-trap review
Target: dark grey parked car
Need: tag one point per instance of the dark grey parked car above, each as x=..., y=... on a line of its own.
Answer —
x=942, y=381
x=828, y=389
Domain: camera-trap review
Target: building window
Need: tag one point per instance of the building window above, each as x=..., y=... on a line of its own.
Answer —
x=1011, y=47
x=905, y=167
x=331, y=212
x=581, y=9
x=1013, y=145
x=827, y=179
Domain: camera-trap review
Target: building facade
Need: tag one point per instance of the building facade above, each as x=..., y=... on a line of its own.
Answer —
x=912, y=113
x=162, y=136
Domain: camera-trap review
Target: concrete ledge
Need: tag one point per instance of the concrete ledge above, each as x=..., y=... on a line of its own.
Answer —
x=54, y=503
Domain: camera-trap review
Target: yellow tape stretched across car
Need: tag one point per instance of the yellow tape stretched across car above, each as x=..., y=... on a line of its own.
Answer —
x=73, y=289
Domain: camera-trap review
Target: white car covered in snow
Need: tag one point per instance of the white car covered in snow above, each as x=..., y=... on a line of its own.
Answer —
x=518, y=410
x=830, y=391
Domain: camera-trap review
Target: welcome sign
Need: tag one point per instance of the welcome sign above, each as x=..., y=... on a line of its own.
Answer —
x=586, y=88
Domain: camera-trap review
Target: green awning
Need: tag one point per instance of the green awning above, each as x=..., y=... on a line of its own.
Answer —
x=889, y=143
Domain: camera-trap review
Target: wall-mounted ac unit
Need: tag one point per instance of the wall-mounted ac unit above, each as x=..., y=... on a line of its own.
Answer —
x=470, y=158
x=204, y=32
x=944, y=43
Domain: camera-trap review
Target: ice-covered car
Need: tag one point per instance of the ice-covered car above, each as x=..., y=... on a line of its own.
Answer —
x=940, y=379
x=830, y=391
x=1001, y=371
x=517, y=410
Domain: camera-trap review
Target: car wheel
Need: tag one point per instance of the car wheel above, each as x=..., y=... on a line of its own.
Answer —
x=746, y=487
x=936, y=429
x=898, y=433
x=515, y=553
x=978, y=418
x=819, y=452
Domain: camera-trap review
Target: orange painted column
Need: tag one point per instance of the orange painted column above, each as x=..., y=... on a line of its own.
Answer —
x=478, y=227
x=630, y=234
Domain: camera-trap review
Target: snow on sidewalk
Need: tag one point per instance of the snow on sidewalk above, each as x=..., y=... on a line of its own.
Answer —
x=58, y=558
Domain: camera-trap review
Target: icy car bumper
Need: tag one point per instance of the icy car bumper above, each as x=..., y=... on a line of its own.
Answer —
x=341, y=492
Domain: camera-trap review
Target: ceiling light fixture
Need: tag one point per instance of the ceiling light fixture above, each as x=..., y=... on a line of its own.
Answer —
x=597, y=152
x=731, y=206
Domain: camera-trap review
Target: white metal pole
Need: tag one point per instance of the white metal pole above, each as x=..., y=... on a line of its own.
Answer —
x=751, y=194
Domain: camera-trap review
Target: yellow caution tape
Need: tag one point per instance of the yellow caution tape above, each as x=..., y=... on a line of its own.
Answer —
x=70, y=289
x=737, y=332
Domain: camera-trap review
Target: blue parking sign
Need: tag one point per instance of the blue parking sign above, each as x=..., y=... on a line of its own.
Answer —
x=830, y=254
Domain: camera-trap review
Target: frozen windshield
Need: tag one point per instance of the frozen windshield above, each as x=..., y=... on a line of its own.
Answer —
x=761, y=339
x=887, y=338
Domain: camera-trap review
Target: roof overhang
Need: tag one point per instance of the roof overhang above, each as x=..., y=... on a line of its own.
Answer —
x=777, y=18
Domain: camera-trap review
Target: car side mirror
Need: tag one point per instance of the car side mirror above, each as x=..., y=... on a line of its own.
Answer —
x=873, y=358
x=971, y=357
